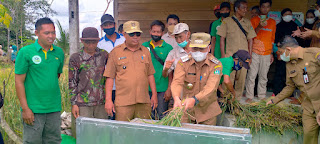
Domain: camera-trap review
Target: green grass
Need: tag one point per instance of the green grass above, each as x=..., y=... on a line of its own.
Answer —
x=11, y=108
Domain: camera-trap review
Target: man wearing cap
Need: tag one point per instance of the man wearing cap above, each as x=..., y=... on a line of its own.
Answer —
x=215, y=46
x=130, y=65
x=110, y=40
x=235, y=62
x=172, y=20
x=37, y=71
x=195, y=82
x=86, y=81
x=237, y=33
x=303, y=66
x=159, y=51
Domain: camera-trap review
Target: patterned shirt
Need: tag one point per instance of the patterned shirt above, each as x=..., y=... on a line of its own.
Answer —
x=86, y=81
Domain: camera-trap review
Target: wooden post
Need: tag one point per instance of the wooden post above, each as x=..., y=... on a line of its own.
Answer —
x=74, y=26
x=73, y=39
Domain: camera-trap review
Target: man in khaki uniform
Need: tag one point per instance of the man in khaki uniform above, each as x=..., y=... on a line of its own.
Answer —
x=303, y=72
x=236, y=39
x=195, y=82
x=131, y=66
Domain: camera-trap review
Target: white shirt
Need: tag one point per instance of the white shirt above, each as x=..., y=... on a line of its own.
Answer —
x=176, y=53
x=170, y=40
x=108, y=45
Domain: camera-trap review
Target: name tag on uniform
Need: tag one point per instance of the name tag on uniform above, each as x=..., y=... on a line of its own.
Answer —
x=185, y=58
x=191, y=73
x=120, y=58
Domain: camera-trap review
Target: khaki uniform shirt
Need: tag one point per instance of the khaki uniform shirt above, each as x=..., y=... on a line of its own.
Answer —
x=235, y=38
x=130, y=69
x=176, y=53
x=201, y=81
x=309, y=58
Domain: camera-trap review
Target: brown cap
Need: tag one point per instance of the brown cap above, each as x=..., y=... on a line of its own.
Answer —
x=131, y=27
x=200, y=40
x=90, y=33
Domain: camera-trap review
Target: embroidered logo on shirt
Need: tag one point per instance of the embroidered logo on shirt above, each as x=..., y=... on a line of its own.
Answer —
x=36, y=59
x=217, y=72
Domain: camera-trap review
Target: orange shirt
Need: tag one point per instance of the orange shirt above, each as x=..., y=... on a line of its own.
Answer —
x=262, y=44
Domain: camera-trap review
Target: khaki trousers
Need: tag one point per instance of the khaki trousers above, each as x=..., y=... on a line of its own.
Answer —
x=127, y=113
x=260, y=65
x=240, y=81
x=93, y=112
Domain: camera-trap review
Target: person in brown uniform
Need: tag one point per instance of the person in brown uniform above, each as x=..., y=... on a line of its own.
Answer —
x=131, y=66
x=303, y=72
x=237, y=33
x=195, y=82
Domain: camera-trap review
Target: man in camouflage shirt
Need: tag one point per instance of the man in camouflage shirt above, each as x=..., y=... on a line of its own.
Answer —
x=86, y=81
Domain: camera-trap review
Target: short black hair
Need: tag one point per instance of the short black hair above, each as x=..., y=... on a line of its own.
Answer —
x=237, y=4
x=225, y=4
x=158, y=23
x=285, y=10
x=43, y=21
x=265, y=1
x=311, y=11
x=173, y=16
x=120, y=28
x=255, y=8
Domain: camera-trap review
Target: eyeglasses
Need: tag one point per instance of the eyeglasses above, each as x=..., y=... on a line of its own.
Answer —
x=135, y=33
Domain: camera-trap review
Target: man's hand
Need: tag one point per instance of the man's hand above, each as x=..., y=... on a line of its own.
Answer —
x=296, y=33
x=28, y=116
x=168, y=64
x=269, y=102
x=109, y=107
x=177, y=103
x=306, y=34
x=233, y=95
x=271, y=58
x=318, y=118
x=154, y=102
x=167, y=95
x=189, y=103
x=75, y=111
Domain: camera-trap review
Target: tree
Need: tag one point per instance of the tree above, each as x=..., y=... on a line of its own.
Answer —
x=63, y=41
x=5, y=18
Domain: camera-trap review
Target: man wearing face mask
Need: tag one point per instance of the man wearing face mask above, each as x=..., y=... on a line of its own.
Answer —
x=235, y=62
x=195, y=82
x=172, y=20
x=109, y=41
x=236, y=34
x=224, y=13
x=159, y=50
x=303, y=66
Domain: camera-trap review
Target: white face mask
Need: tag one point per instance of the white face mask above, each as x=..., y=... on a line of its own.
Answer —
x=199, y=56
x=317, y=13
x=287, y=18
x=310, y=20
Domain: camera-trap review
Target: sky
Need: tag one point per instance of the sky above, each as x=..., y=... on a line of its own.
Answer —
x=90, y=12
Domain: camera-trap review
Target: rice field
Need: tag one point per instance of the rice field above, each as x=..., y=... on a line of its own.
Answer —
x=11, y=108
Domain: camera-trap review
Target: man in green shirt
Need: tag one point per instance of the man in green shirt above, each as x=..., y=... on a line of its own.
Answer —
x=235, y=62
x=159, y=50
x=215, y=42
x=37, y=70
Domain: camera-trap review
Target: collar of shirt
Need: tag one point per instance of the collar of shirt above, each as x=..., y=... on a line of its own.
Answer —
x=238, y=19
x=124, y=47
x=39, y=47
x=151, y=43
x=206, y=61
x=106, y=38
x=86, y=56
x=167, y=35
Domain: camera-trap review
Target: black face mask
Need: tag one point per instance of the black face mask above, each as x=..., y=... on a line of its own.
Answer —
x=225, y=15
x=217, y=14
x=156, y=38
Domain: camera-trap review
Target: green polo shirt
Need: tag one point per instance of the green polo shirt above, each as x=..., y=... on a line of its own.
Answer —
x=41, y=83
x=162, y=51
x=227, y=64
x=214, y=28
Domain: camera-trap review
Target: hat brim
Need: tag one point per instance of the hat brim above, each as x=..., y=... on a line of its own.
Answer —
x=199, y=45
x=133, y=31
x=174, y=33
x=90, y=39
x=106, y=21
x=245, y=64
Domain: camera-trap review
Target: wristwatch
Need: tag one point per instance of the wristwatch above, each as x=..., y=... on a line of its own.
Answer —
x=197, y=101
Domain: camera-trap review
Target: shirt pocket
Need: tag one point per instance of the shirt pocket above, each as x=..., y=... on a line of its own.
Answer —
x=145, y=65
x=122, y=66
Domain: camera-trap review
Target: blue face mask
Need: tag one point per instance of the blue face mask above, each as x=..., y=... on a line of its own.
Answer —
x=183, y=44
x=109, y=31
x=237, y=66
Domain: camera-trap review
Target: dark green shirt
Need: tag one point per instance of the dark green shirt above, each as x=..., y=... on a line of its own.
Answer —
x=214, y=28
x=227, y=64
x=162, y=51
x=41, y=83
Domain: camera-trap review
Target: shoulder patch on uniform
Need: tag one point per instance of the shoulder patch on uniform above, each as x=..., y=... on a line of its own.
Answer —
x=218, y=66
x=215, y=60
x=185, y=58
x=217, y=71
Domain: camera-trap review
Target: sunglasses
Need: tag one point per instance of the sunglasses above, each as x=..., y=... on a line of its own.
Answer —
x=135, y=33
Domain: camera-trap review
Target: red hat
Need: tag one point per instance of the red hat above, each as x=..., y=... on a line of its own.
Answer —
x=217, y=7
